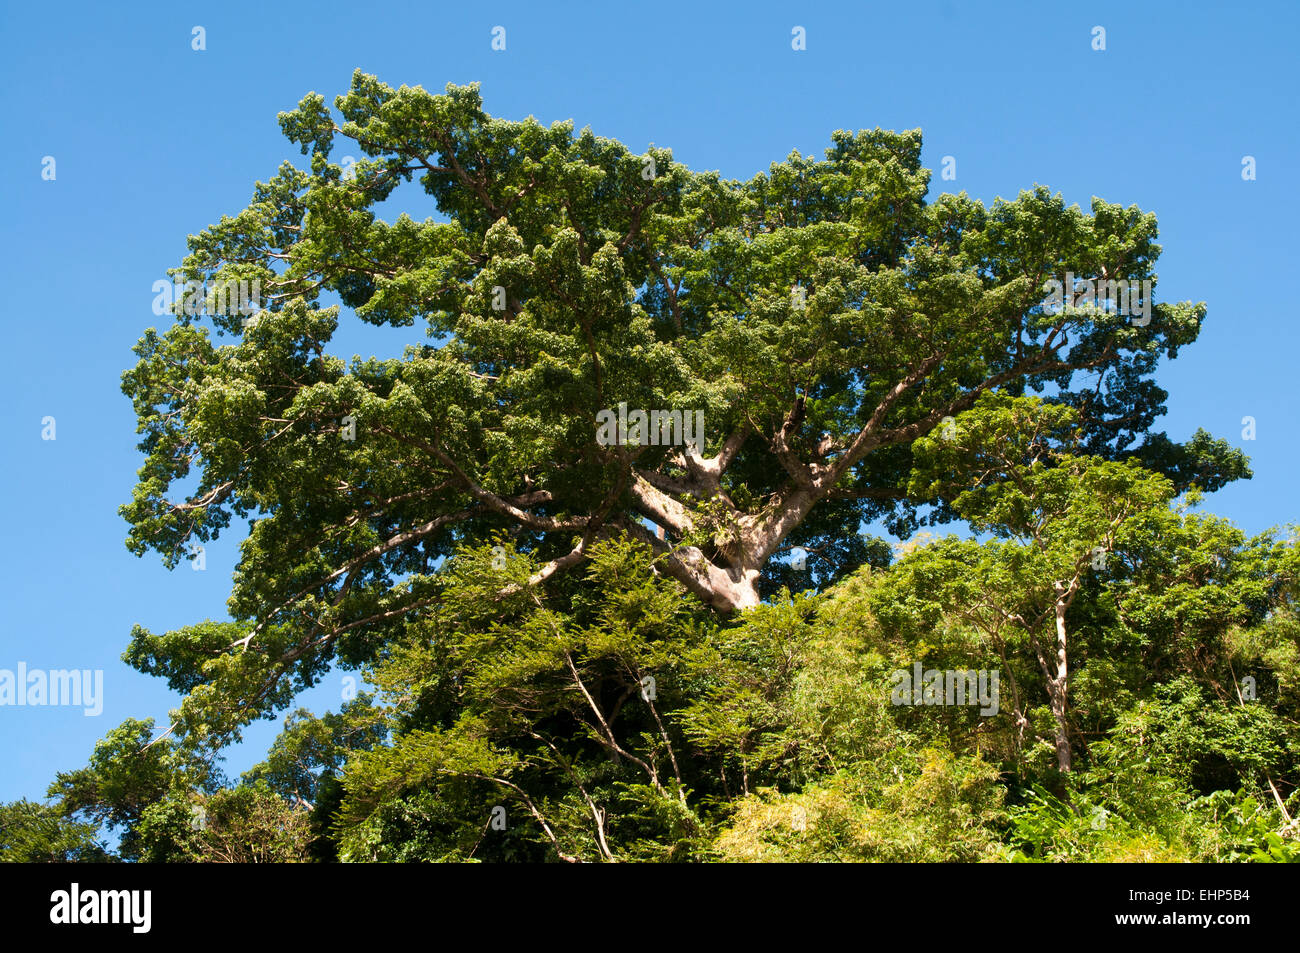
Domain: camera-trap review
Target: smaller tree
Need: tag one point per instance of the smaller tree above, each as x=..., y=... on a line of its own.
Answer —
x=32, y=833
x=143, y=788
x=1006, y=468
x=504, y=705
x=251, y=824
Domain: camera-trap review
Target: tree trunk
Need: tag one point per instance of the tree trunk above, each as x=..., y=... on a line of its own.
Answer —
x=1056, y=690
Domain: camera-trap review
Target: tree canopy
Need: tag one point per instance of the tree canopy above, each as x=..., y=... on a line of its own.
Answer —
x=587, y=629
x=822, y=317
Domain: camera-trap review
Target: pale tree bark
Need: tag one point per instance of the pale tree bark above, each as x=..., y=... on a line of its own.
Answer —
x=741, y=543
x=1056, y=666
x=1057, y=688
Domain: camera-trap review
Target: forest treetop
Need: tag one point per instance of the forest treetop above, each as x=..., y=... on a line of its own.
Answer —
x=823, y=316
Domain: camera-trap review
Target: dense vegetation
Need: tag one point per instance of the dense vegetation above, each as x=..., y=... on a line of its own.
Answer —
x=590, y=652
x=768, y=738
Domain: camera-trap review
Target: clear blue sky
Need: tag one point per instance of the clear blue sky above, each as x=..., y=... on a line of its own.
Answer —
x=154, y=141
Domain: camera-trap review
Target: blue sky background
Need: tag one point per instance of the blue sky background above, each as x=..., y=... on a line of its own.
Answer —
x=154, y=141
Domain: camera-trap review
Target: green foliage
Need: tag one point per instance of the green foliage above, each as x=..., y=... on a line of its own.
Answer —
x=928, y=807
x=32, y=833
x=616, y=720
x=249, y=824
x=1250, y=832
x=592, y=652
x=823, y=316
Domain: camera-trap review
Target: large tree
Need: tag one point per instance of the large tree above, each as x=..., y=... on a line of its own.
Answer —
x=822, y=316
